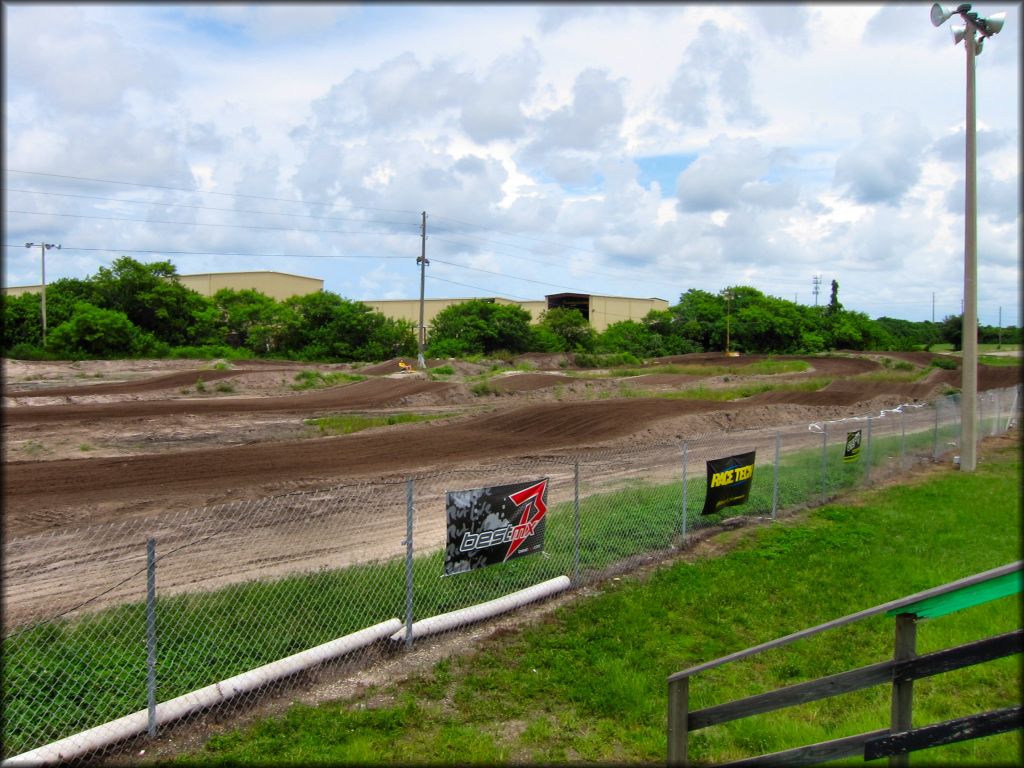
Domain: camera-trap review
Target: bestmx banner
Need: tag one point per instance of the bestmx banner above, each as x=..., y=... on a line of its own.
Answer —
x=852, y=450
x=729, y=482
x=492, y=525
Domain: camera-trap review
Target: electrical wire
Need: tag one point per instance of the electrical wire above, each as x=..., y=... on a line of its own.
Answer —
x=204, y=224
x=199, y=191
x=205, y=207
x=221, y=253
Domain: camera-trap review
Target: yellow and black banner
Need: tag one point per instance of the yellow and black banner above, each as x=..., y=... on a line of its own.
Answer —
x=729, y=482
x=852, y=450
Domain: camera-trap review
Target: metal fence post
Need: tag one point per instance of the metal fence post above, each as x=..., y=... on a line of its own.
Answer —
x=824, y=462
x=1013, y=408
x=999, y=412
x=408, y=563
x=981, y=415
x=903, y=439
x=867, y=462
x=151, y=634
x=686, y=452
x=775, y=488
x=576, y=525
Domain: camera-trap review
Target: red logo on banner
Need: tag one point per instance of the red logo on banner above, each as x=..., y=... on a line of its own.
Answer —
x=533, y=512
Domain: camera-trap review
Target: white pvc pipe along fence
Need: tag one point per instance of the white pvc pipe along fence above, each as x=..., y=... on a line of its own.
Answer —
x=481, y=611
x=136, y=723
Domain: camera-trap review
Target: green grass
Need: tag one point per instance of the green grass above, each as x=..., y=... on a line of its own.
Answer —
x=769, y=367
x=441, y=370
x=998, y=360
x=589, y=683
x=347, y=423
x=317, y=379
x=749, y=389
x=52, y=669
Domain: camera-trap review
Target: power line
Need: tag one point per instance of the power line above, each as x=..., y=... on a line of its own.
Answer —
x=478, y=288
x=500, y=274
x=197, y=191
x=220, y=253
x=201, y=224
x=202, y=207
x=513, y=234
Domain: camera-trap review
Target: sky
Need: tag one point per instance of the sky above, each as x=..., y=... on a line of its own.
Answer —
x=622, y=149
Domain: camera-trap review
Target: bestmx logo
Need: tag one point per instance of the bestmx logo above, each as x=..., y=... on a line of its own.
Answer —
x=529, y=502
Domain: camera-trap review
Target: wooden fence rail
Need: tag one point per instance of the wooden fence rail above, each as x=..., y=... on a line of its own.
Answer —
x=900, y=738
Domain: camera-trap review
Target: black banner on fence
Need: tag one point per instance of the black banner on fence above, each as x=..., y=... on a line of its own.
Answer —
x=729, y=482
x=492, y=525
x=852, y=450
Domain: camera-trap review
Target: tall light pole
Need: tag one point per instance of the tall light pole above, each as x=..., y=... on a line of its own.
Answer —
x=43, y=248
x=974, y=25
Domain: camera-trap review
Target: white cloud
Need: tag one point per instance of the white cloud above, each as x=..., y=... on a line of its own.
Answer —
x=625, y=149
x=886, y=163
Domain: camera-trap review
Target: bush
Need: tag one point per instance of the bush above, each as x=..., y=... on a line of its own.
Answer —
x=95, y=332
x=620, y=359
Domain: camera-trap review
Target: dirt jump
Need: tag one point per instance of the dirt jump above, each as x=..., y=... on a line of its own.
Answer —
x=96, y=441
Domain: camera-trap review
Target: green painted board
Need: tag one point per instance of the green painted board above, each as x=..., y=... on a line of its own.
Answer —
x=965, y=597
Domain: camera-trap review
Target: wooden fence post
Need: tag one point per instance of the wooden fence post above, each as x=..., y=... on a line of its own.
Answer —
x=903, y=691
x=678, y=717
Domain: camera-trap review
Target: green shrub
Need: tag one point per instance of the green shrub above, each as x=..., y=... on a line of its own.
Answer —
x=619, y=359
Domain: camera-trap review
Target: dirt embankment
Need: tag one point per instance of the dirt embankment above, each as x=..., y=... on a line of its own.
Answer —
x=139, y=445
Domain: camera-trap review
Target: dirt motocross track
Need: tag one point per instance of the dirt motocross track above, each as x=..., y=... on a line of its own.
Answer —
x=155, y=437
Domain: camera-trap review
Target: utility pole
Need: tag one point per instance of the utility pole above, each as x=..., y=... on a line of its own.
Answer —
x=422, y=261
x=933, y=306
x=816, y=282
x=728, y=301
x=1000, y=328
x=43, y=248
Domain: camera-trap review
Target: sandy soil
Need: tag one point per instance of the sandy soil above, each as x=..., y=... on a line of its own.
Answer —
x=125, y=441
x=101, y=440
x=183, y=445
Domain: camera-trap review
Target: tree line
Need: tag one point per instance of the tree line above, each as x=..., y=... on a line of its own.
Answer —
x=131, y=309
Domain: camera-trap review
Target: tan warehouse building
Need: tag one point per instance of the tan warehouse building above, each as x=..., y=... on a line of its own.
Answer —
x=277, y=285
x=600, y=310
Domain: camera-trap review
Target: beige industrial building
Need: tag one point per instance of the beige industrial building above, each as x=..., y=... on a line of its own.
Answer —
x=600, y=310
x=277, y=285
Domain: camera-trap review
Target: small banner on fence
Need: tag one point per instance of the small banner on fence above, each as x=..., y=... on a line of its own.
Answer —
x=492, y=525
x=852, y=450
x=729, y=481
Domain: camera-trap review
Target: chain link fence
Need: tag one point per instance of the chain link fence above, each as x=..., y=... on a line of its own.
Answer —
x=110, y=631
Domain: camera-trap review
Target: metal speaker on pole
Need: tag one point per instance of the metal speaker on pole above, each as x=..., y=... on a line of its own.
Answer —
x=994, y=23
x=958, y=34
x=940, y=14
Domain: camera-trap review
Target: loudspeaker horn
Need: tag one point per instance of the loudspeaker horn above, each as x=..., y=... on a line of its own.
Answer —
x=994, y=23
x=940, y=15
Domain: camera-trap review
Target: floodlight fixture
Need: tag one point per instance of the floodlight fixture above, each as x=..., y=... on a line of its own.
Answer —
x=975, y=30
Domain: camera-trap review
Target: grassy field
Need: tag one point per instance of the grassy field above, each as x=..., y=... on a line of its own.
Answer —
x=589, y=682
x=67, y=675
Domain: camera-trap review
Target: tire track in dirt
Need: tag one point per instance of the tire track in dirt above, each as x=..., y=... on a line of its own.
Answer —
x=151, y=384
x=93, y=489
x=372, y=393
